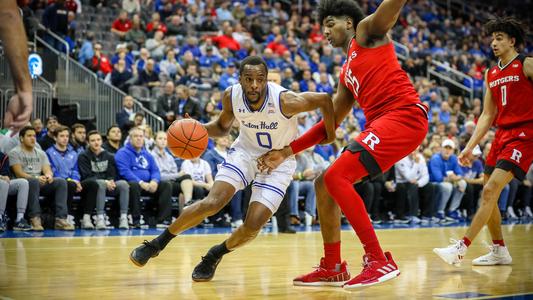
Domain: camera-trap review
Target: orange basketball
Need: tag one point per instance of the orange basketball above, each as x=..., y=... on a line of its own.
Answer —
x=187, y=138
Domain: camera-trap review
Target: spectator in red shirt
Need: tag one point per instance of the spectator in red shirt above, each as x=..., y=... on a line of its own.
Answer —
x=155, y=25
x=121, y=25
x=100, y=63
x=277, y=45
x=226, y=40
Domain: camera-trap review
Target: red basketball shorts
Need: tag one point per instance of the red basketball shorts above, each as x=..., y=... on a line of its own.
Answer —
x=390, y=138
x=512, y=150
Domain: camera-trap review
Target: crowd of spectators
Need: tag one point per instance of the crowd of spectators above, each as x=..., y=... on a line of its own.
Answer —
x=183, y=54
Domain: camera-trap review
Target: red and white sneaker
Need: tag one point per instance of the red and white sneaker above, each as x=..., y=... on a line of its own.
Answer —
x=324, y=277
x=374, y=272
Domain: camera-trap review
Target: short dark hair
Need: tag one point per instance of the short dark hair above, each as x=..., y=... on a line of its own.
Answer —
x=253, y=61
x=111, y=127
x=24, y=129
x=93, y=132
x=339, y=8
x=50, y=117
x=508, y=25
x=76, y=126
x=59, y=129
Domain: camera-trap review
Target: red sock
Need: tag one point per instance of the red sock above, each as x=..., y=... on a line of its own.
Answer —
x=339, y=181
x=332, y=254
x=498, y=242
x=467, y=241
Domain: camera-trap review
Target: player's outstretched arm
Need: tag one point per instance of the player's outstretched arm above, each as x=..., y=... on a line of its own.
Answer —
x=222, y=125
x=342, y=105
x=487, y=117
x=381, y=21
x=295, y=103
x=13, y=36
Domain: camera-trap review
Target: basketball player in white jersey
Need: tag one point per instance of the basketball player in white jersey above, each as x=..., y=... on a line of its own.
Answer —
x=265, y=112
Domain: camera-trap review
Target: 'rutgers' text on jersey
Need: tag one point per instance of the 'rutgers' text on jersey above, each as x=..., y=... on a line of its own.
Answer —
x=266, y=128
x=376, y=80
x=512, y=92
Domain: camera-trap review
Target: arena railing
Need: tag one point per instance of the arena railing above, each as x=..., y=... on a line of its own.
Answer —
x=401, y=50
x=43, y=92
x=447, y=74
x=94, y=99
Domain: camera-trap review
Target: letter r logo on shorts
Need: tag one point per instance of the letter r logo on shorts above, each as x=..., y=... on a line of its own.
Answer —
x=371, y=140
x=517, y=155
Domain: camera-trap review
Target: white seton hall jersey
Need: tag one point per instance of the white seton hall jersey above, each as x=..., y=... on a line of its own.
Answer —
x=264, y=129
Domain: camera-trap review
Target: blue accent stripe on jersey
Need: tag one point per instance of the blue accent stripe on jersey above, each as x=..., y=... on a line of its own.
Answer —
x=236, y=170
x=270, y=188
x=279, y=104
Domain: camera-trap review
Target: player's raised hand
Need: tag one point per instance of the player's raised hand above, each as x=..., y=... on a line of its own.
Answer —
x=466, y=157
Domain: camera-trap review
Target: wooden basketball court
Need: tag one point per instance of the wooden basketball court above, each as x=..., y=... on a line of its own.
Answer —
x=98, y=267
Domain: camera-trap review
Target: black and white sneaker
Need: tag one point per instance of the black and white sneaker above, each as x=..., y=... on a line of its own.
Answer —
x=22, y=225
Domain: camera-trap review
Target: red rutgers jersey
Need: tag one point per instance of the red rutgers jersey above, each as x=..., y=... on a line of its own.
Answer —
x=376, y=80
x=512, y=92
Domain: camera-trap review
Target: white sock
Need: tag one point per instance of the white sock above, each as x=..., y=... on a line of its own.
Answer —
x=100, y=217
x=123, y=216
x=19, y=217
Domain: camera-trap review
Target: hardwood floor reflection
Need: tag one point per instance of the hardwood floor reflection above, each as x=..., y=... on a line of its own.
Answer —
x=98, y=267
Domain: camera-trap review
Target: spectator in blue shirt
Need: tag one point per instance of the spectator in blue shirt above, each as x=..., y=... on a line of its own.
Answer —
x=137, y=166
x=64, y=163
x=445, y=172
x=229, y=78
x=86, y=52
x=209, y=59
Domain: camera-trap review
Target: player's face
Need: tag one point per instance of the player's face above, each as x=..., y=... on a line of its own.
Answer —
x=62, y=138
x=254, y=81
x=95, y=143
x=336, y=30
x=501, y=43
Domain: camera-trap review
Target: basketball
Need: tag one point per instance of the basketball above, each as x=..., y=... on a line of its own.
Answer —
x=187, y=139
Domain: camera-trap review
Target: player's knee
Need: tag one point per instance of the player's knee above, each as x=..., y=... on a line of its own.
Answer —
x=330, y=179
x=491, y=191
x=319, y=183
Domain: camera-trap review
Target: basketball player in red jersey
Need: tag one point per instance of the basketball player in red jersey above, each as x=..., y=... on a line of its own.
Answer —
x=396, y=124
x=508, y=105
